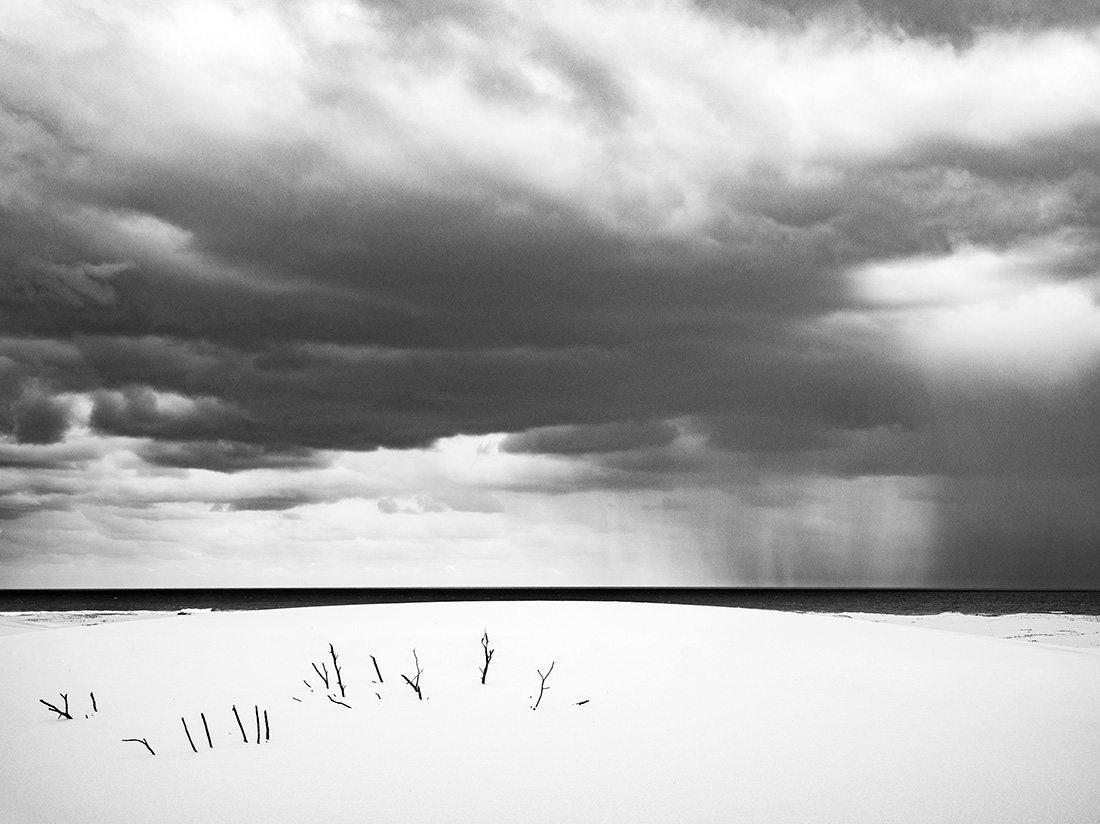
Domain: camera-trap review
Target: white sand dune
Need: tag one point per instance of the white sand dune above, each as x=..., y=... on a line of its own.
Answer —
x=1081, y=632
x=693, y=714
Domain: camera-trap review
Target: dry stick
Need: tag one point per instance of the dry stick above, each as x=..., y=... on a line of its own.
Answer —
x=488, y=654
x=542, y=687
x=60, y=713
x=94, y=707
x=416, y=683
x=375, y=660
x=239, y=724
x=189, y=741
x=210, y=743
x=341, y=703
x=267, y=729
x=299, y=700
x=335, y=666
x=319, y=675
x=304, y=681
x=257, y=723
x=141, y=741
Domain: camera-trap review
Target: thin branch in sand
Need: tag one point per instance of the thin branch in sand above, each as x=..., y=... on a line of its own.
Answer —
x=94, y=707
x=61, y=713
x=189, y=741
x=336, y=667
x=415, y=683
x=341, y=703
x=239, y=724
x=257, y=723
x=304, y=681
x=206, y=727
x=542, y=687
x=141, y=741
x=267, y=729
x=488, y=654
x=378, y=671
x=323, y=677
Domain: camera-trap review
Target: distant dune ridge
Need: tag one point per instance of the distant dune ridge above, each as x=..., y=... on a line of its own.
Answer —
x=652, y=712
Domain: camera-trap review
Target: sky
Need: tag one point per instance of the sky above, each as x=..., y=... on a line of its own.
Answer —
x=574, y=293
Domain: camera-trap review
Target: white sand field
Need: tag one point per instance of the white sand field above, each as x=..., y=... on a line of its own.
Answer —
x=689, y=714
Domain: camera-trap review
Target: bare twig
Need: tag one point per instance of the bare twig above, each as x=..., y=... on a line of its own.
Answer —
x=542, y=687
x=257, y=723
x=304, y=681
x=415, y=683
x=94, y=707
x=141, y=741
x=336, y=668
x=378, y=671
x=60, y=713
x=189, y=741
x=239, y=724
x=488, y=654
x=299, y=700
x=323, y=677
x=341, y=703
x=267, y=729
x=209, y=743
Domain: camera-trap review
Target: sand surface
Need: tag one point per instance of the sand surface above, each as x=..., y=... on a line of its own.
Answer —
x=654, y=713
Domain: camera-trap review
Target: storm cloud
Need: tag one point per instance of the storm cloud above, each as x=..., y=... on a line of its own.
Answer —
x=668, y=246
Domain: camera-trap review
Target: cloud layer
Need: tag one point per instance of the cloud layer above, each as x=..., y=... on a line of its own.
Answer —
x=716, y=247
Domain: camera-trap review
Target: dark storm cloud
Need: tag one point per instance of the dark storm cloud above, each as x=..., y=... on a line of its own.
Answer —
x=269, y=503
x=222, y=456
x=137, y=412
x=418, y=319
x=42, y=457
x=595, y=438
x=40, y=419
x=34, y=416
x=597, y=235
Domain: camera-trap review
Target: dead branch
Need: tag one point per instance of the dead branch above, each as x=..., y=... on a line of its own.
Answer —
x=189, y=741
x=542, y=687
x=141, y=741
x=209, y=743
x=304, y=681
x=378, y=671
x=239, y=724
x=299, y=700
x=415, y=683
x=60, y=713
x=267, y=729
x=319, y=675
x=336, y=668
x=257, y=723
x=341, y=703
x=94, y=707
x=488, y=654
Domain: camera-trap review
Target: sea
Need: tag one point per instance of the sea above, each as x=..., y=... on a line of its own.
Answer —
x=874, y=601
